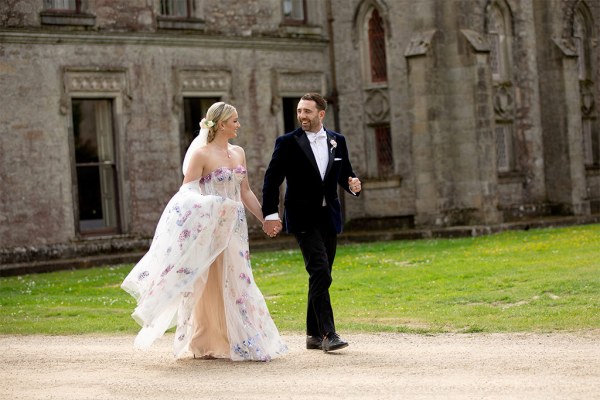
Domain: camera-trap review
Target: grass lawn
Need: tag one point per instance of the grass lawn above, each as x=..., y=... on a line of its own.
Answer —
x=519, y=281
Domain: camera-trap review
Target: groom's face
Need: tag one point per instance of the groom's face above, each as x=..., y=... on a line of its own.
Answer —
x=309, y=117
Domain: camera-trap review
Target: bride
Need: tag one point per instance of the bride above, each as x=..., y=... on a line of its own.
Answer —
x=197, y=273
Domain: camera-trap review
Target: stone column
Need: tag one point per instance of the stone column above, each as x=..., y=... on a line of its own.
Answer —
x=423, y=126
x=451, y=115
x=565, y=167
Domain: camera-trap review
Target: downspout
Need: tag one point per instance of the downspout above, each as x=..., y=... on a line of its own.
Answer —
x=333, y=95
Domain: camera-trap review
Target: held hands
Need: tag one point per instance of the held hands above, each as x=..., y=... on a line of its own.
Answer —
x=272, y=227
x=354, y=184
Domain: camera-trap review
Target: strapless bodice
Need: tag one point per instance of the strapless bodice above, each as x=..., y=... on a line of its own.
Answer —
x=223, y=181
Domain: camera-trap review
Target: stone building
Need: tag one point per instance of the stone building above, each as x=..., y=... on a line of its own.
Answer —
x=457, y=112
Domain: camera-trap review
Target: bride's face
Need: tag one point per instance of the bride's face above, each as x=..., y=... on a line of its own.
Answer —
x=231, y=126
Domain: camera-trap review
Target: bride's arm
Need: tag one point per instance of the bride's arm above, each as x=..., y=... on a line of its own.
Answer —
x=196, y=166
x=248, y=197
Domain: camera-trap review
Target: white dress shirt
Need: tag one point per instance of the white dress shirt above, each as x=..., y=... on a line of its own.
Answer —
x=318, y=144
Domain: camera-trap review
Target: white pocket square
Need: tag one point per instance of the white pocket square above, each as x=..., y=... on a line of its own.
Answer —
x=337, y=159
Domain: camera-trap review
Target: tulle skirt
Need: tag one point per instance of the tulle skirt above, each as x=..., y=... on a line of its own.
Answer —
x=197, y=276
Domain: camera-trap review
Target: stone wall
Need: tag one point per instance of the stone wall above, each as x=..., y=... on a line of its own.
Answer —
x=440, y=102
x=146, y=76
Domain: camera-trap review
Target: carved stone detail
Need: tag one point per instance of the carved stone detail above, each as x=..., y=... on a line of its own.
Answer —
x=566, y=46
x=477, y=40
x=419, y=43
x=504, y=102
x=94, y=81
x=300, y=82
x=377, y=106
x=587, y=98
x=199, y=80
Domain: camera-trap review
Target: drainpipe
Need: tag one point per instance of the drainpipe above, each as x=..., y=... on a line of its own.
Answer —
x=333, y=96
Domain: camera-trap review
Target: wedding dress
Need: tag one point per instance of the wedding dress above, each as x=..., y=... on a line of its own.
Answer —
x=197, y=276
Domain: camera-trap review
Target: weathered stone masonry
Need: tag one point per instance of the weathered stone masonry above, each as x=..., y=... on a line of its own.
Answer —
x=490, y=114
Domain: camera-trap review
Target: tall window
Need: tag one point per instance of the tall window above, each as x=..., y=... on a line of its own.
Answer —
x=498, y=44
x=582, y=26
x=63, y=5
x=580, y=37
x=385, y=158
x=194, y=109
x=380, y=155
x=377, y=48
x=504, y=146
x=294, y=11
x=96, y=167
x=499, y=34
x=177, y=8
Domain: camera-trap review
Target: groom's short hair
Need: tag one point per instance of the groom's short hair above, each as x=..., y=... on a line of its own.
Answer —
x=317, y=98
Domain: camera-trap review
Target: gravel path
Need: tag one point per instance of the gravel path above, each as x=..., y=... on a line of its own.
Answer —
x=375, y=366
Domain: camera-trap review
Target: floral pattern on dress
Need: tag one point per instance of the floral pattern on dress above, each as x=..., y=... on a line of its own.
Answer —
x=204, y=219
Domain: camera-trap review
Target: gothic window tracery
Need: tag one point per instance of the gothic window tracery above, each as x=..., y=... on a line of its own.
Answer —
x=582, y=26
x=499, y=35
x=380, y=162
x=377, y=55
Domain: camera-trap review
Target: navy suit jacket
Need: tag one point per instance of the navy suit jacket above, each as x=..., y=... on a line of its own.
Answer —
x=294, y=161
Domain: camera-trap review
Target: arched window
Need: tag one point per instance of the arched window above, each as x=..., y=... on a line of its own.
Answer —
x=581, y=39
x=371, y=24
x=377, y=56
x=582, y=34
x=499, y=35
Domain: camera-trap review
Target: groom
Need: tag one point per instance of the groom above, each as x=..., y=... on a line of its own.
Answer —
x=313, y=161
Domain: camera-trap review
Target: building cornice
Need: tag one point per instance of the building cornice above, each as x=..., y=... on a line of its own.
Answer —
x=162, y=39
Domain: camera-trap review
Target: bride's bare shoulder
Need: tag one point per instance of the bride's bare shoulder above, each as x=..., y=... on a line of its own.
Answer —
x=236, y=148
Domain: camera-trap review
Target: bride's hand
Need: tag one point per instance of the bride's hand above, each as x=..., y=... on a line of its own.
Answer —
x=272, y=228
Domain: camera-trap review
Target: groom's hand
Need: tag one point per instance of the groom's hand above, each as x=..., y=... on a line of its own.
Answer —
x=354, y=184
x=272, y=227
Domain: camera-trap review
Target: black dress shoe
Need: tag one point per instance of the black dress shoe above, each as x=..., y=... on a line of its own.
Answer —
x=333, y=342
x=313, y=342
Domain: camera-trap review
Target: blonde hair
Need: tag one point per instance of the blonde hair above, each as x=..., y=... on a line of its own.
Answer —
x=218, y=112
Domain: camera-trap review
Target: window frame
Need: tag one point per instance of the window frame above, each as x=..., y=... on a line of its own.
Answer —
x=67, y=16
x=291, y=20
x=376, y=43
x=382, y=136
x=77, y=6
x=190, y=9
x=117, y=210
x=192, y=21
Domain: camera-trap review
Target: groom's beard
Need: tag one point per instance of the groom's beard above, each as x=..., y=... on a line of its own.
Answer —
x=310, y=125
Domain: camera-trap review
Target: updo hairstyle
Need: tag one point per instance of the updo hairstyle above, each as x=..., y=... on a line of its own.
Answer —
x=217, y=113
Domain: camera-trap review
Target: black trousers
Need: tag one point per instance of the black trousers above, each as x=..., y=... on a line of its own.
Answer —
x=318, y=246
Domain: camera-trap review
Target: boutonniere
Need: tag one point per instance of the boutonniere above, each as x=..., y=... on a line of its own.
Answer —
x=333, y=144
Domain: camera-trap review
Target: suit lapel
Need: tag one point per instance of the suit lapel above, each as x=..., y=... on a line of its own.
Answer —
x=330, y=151
x=304, y=144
